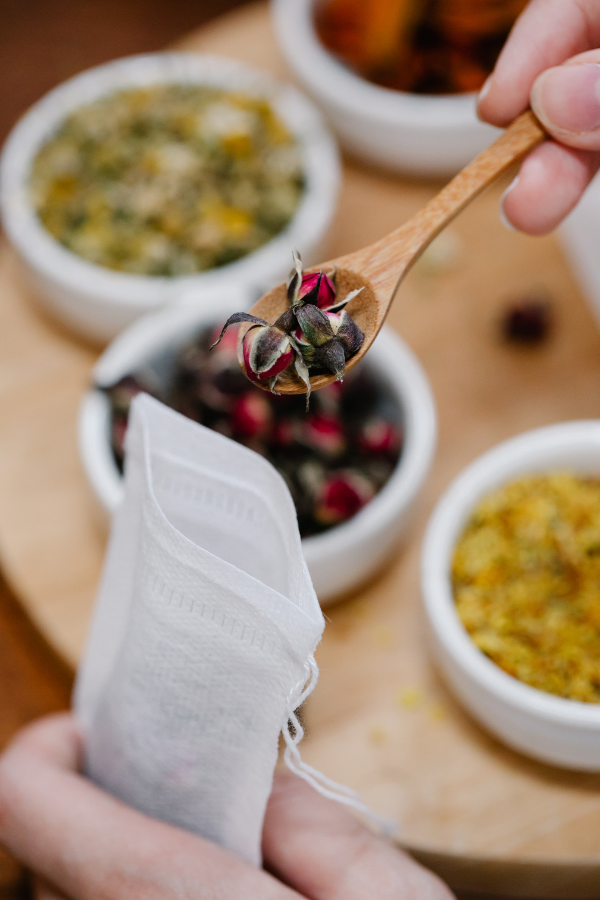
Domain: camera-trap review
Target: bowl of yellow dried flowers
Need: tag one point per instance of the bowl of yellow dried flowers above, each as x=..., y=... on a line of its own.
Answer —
x=156, y=174
x=511, y=587
x=354, y=462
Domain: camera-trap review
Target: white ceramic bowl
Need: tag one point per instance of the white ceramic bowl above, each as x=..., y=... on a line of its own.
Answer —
x=99, y=302
x=348, y=554
x=553, y=729
x=416, y=133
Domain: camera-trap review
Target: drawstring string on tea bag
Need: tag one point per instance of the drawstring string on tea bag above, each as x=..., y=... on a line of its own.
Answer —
x=293, y=732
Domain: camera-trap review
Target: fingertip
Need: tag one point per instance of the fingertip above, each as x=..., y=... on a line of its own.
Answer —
x=551, y=181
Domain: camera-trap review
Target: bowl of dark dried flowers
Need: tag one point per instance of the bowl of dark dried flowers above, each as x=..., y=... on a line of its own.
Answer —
x=354, y=462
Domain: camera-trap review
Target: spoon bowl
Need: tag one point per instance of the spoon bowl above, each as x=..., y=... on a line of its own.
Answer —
x=365, y=309
x=380, y=268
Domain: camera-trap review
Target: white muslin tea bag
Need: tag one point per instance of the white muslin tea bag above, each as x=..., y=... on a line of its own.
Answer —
x=203, y=634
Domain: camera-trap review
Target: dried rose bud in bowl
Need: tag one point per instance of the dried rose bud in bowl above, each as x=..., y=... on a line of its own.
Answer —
x=354, y=463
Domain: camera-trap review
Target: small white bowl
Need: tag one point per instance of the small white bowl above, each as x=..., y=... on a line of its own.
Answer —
x=416, y=133
x=341, y=558
x=99, y=302
x=553, y=729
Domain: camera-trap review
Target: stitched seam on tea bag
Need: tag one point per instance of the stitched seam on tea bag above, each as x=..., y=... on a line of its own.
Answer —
x=237, y=627
x=293, y=732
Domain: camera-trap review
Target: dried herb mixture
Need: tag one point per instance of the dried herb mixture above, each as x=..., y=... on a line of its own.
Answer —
x=168, y=180
x=526, y=578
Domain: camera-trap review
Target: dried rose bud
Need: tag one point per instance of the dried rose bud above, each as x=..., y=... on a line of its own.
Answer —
x=324, y=434
x=252, y=416
x=285, y=432
x=267, y=352
x=333, y=339
x=378, y=436
x=267, y=349
x=118, y=432
x=527, y=321
x=315, y=325
x=342, y=495
x=122, y=393
x=323, y=287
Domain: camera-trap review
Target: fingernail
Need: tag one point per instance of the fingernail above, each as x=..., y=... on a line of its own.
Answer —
x=484, y=90
x=567, y=98
x=502, y=214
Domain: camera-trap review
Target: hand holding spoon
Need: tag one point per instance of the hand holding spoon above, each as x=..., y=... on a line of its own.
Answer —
x=380, y=268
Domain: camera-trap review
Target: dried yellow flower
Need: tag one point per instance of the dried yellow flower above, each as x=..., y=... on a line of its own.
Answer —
x=526, y=581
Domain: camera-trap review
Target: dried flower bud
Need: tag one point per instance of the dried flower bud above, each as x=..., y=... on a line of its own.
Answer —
x=332, y=339
x=341, y=496
x=267, y=349
x=527, y=321
x=315, y=325
x=378, y=436
x=252, y=416
x=267, y=352
x=324, y=434
x=322, y=286
x=284, y=432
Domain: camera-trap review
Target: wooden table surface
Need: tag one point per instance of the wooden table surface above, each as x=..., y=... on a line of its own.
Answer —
x=381, y=720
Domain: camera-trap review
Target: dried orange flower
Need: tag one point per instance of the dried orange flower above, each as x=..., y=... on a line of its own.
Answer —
x=526, y=580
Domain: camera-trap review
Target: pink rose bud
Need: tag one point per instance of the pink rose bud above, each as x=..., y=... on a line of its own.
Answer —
x=284, y=432
x=342, y=495
x=380, y=437
x=325, y=295
x=325, y=434
x=267, y=352
x=252, y=416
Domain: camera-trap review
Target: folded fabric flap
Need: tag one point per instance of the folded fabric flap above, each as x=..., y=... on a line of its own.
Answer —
x=172, y=436
x=240, y=548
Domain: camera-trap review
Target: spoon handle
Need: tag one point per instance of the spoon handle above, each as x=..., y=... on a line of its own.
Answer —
x=403, y=247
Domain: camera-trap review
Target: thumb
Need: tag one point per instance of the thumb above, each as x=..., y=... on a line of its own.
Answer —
x=566, y=100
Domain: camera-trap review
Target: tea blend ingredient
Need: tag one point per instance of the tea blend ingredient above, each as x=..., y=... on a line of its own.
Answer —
x=334, y=459
x=168, y=180
x=527, y=320
x=315, y=332
x=422, y=46
x=526, y=580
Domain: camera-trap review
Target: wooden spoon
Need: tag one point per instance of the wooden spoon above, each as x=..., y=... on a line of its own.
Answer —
x=381, y=267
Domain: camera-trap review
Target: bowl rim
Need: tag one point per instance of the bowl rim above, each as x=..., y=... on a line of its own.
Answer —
x=390, y=355
x=525, y=453
x=46, y=255
x=328, y=77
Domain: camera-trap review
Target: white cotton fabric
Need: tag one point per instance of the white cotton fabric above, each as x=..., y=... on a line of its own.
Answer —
x=203, y=632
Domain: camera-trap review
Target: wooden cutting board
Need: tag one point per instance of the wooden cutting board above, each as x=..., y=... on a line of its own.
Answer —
x=381, y=720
